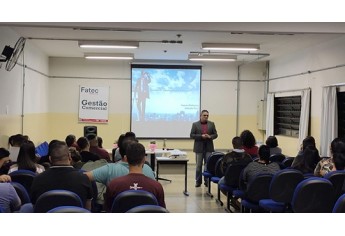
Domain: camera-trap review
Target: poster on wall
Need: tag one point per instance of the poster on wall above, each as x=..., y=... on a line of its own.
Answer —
x=93, y=104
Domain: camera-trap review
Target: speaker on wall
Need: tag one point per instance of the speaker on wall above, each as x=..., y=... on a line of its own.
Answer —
x=90, y=130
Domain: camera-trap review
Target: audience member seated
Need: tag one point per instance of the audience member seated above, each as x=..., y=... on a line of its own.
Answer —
x=94, y=148
x=85, y=153
x=308, y=141
x=9, y=199
x=262, y=166
x=27, y=159
x=71, y=141
x=272, y=142
x=110, y=171
x=308, y=160
x=135, y=179
x=249, y=143
x=61, y=175
x=4, y=159
x=335, y=162
x=76, y=158
x=237, y=155
x=117, y=156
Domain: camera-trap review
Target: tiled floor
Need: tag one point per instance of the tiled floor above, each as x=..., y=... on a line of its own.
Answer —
x=196, y=202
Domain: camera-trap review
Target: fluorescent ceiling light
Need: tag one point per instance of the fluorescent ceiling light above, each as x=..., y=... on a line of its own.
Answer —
x=109, y=56
x=107, y=44
x=231, y=46
x=210, y=57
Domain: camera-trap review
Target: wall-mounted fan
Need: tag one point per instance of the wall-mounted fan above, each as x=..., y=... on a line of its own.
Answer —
x=17, y=50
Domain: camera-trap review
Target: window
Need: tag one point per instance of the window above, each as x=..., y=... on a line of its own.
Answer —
x=341, y=113
x=287, y=113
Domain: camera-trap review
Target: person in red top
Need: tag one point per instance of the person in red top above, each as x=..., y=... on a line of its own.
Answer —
x=135, y=180
x=249, y=143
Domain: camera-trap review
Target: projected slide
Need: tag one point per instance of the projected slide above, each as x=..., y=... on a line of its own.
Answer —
x=165, y=100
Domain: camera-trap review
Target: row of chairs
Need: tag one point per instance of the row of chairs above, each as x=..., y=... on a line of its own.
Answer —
x=289, y=191
x=64, y=201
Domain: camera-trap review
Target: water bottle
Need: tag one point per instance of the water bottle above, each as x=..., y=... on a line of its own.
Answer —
x=164, y=144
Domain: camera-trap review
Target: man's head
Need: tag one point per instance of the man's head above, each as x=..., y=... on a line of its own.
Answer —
x=4, y=156
x=264, y=153
x=237, y=143
x=60, y=154
x=135, y=153
x=70, y=139
x=123, y=145
x=83, y=143
x=204, y=116
x=93, y=140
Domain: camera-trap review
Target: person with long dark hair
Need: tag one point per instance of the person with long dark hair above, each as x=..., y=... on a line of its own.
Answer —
x=27, y=159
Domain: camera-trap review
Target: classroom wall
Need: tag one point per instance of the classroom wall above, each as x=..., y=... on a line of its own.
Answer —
x=328, y=55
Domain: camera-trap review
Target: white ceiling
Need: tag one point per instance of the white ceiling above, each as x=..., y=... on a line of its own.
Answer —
x=275, y=39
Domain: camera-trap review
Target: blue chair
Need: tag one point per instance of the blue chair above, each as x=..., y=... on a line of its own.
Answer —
x=131, y=198
x=211, y=169
x=337, y=178
x=148, y=209
x=287, y=162
x=22, y=193
x=24, y=177
x=55, y=198
x=215, y=179
x=313, y=195
x=281, y=190
x=68, y=209
x=339, y=206
x=257, y=189
x=278, y=157
x=232, y=178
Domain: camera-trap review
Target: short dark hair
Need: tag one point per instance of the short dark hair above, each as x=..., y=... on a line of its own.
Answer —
x=264, y=153
x=272, y=141
x=123, y=145
x=237, y=142
x=70, y=139
x=59, y=152
x=135, y=153
x=82, y=142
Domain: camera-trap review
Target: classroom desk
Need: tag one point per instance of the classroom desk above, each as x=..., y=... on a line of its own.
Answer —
x=173, y=166
x=151, y=155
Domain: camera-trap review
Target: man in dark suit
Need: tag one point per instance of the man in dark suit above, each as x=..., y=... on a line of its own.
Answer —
x=203, y=132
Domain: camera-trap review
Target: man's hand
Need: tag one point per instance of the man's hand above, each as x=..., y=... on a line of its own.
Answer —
x=5, y=178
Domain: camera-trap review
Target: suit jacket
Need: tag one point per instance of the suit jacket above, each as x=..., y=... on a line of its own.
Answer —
x=203, y=145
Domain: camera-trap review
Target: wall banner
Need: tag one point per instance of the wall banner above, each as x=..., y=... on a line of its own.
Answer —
x=93, y=104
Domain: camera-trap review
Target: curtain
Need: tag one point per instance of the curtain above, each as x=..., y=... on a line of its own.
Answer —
x=270, y=115
x=304, y=119
x=329, y=119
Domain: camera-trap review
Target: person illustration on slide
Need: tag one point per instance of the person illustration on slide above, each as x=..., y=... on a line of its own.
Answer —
x=141, y=93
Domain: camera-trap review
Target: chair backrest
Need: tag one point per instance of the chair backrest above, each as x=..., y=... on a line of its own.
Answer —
x=232, y=174
x=55, y=198
x=22, y=193
x=212, y=161
x=148, y=209
x=313, y=195
x=132, y=198
x=287, y=162
x=258, y=188
x=339, y=206
x=218, y=168
x=24, y=177
x=337, y=178
x=68, y=209
x=278, y=157
x=284, y=183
